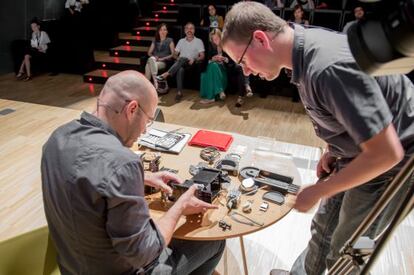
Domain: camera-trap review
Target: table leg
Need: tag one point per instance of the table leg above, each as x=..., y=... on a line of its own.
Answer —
x=246, y=272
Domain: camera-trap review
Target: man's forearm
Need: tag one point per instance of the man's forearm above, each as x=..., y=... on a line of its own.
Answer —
x=379, y=154
x=362, y=169
x=166, y=224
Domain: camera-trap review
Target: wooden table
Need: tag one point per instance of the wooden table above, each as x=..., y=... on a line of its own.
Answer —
x=206, y=227
x=24, y=131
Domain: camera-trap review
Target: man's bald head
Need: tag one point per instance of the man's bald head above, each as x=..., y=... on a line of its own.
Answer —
x=128, y=85
x=127, y=103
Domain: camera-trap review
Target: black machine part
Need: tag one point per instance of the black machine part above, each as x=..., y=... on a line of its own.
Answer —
x=249, y=172
x=208, y=179
x=277, y=182
x=229, y=163
x=275, y=197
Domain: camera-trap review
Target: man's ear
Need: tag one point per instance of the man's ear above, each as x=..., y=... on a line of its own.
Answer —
x=261, y=39
x=131, y=108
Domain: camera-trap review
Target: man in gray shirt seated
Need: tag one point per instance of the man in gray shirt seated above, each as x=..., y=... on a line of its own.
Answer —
x=93, y=191
x=189, y=51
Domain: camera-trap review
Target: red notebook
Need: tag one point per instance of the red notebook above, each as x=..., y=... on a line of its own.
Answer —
x=206, y=138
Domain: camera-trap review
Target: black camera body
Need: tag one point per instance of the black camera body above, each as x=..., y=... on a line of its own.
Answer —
x=383, y=43
x=209, y=182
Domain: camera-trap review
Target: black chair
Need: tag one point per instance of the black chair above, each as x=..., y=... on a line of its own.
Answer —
x=327, y=18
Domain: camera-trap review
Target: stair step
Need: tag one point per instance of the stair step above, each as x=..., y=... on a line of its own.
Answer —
x=128, y=51
x=152, y=22
x=170, y=14
x=99, y=76
x=168, y=5
x=135, y=40
x=169, y=20
x=165, y=11
x=106, y=62
x=144, y=31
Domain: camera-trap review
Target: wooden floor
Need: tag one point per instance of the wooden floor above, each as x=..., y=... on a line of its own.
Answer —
x=274, y=117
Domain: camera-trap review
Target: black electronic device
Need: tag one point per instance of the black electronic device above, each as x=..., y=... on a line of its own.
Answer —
x=208, y=179
x=229, y=163
x=383, y=42
x=275, y=197
x=283, y=184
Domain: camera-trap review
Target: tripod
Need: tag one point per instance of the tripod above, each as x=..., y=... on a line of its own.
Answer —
x=359, y=249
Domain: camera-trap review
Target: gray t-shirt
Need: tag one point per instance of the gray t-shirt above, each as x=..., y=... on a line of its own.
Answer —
x=190, y=49
x=93, y=192
x=162, y=48
x=347, y=106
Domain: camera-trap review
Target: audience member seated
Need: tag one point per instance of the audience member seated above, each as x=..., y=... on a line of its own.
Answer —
x=212, y=20
x=214, y=79
x=73, y=7
x=359, y=15
x=160, y=55
x=306, y=4
x=36, y=53
x=298, y=16
x=93, y=193
x=243, y=86
x=189, y=52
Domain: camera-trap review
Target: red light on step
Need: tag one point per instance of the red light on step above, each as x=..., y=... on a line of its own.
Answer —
x=164, y=8
x=127, y=42
x=116, y=60
x=90, y=79
x=116, y=53
x=91, y=89
x=147, y=28
x=138, y=33
x=147, y=23
x=105, y=74
x=172, y=1
x=156, y=15
x=103, y=65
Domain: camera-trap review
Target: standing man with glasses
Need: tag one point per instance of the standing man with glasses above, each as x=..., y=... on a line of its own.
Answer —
x=367, y=122
x=93, y=192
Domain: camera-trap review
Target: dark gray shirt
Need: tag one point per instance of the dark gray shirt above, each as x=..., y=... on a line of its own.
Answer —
x=93, y=192
x=162, y=48
x=347, y=106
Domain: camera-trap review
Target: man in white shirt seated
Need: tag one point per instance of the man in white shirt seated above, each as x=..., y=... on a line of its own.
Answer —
x=188, y=52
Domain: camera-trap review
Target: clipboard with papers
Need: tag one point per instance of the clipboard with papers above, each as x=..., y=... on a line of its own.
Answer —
x=164, y=141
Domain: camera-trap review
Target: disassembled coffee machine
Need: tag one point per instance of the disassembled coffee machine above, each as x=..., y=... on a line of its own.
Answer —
x=209, y=180
x=213, y=182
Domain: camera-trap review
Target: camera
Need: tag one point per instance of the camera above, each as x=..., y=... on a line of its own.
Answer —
x=383, y=42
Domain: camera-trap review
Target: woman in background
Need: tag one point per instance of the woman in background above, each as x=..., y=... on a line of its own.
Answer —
x=160, y=54
x=213, y=20
x=298, y=16
x=36, y=51
x=214, y=79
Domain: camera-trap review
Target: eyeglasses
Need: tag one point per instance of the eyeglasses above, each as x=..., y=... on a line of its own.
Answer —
x=150, y=119
x=244, y=52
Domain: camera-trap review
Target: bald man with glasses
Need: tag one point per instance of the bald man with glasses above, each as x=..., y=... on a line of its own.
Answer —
x=93, y=192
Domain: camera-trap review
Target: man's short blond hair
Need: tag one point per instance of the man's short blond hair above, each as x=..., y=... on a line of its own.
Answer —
x=246, y=17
